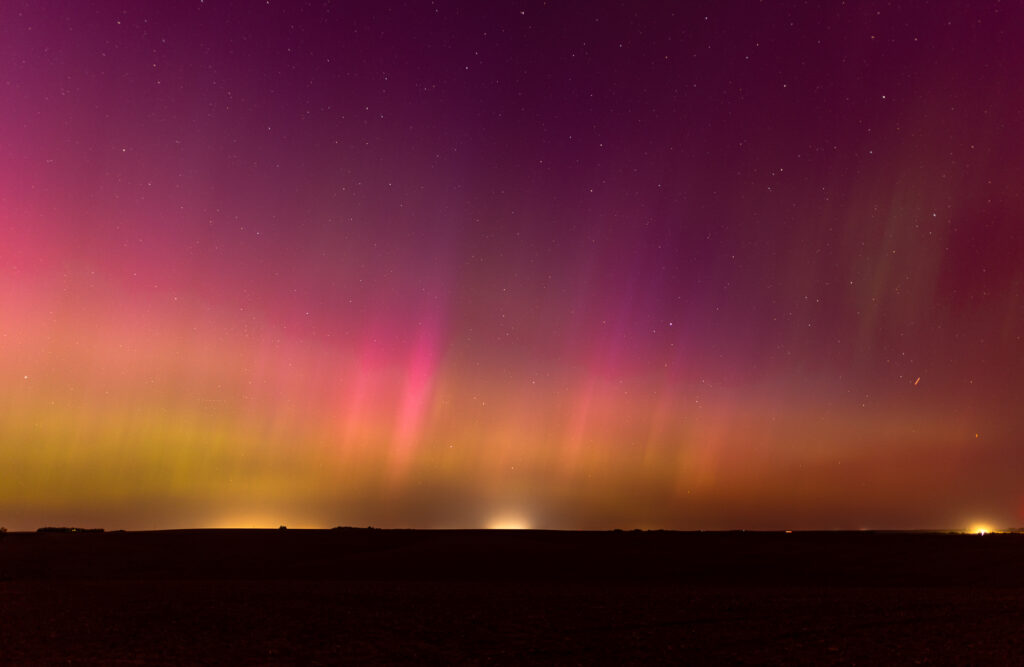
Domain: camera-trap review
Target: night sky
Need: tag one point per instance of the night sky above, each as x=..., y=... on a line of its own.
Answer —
x=469, y=264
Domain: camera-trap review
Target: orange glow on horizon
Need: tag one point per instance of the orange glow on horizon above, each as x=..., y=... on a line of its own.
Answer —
x=509, y=522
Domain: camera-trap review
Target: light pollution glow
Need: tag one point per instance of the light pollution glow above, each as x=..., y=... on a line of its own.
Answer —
x=658, y=268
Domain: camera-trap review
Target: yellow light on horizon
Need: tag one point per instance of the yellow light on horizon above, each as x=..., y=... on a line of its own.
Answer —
x=508, y=523
x=980, y=529
x=246, y=520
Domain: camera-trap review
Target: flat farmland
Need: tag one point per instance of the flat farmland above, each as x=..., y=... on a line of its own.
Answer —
x=472, y=597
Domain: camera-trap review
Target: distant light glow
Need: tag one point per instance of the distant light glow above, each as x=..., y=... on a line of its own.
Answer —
x=508, y=522
x=248, y=520
x=980, y=529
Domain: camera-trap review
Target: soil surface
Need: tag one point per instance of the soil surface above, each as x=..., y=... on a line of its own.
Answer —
x=468, y=597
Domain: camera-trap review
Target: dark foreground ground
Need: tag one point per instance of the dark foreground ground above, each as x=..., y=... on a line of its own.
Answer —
x=444, y=597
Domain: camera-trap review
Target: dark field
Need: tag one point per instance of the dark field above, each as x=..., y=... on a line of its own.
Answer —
x=351, y=595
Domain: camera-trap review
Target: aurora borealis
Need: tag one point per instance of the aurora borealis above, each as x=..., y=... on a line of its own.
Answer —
x=452, y=264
